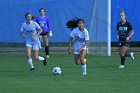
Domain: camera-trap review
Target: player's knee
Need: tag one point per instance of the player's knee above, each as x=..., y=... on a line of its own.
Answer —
x=46, y=44
x=122, y=53
x=77, y=62
x=82, y=59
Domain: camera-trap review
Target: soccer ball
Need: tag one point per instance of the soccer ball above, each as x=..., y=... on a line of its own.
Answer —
x=56, y=71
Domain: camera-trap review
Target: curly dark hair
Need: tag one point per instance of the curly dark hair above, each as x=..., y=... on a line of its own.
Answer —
x=71, y=24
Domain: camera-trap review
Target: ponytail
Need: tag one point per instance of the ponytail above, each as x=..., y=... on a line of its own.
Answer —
x=33, y=17
x=73, y=23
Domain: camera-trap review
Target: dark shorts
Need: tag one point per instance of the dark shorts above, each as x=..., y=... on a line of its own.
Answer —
x=44, y=34
x=123, y=43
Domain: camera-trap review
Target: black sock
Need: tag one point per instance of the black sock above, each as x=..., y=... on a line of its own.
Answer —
x=127, y=54
x=47, y=50
x=122, y=60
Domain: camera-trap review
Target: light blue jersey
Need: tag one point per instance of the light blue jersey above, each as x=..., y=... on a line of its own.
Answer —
x=79, y=38
x=30, y=31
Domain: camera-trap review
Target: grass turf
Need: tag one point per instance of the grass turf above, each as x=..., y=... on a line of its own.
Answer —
x=103, y=76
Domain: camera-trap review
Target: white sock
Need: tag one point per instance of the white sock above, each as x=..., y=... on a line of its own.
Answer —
x=41, y=58
x=30, y=63
x=84, y=68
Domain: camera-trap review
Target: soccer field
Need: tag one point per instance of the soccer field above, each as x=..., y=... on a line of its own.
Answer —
x=103, y=75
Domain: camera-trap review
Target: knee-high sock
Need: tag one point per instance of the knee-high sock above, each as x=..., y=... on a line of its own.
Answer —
x=122, y=60
x=84, y=68
x=30, y=63
x=47, y=50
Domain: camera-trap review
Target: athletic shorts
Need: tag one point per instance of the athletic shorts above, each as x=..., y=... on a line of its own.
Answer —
x=77, y=52
x=123, y=43
x=44, y=34
x=35, y=46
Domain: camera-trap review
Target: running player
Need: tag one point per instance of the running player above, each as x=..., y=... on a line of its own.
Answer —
x=124, y=34
x=43, y=21
x=79, y=38
x=29, y=31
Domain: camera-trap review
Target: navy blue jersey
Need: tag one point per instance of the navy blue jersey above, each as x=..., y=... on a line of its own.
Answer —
x=123, y=30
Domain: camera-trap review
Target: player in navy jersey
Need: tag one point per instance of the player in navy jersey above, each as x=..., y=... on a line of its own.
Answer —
x=124, y=34
x=30, y=33
x=79, y=39
x=43, y=22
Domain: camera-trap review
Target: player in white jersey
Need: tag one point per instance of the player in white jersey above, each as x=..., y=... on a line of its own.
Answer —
x=79, y=38
x=30, y=33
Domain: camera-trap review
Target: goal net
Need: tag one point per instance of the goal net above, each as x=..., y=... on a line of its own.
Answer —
x=100, y=28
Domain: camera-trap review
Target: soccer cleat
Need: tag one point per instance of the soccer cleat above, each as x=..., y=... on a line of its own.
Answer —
x=44, y=62
x=84, y=73
x=47, y=56
x=121, y=66
x=32, y=69
x=132, y=55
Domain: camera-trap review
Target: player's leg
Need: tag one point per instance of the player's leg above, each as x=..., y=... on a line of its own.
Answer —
x=45, y=38
x=123, y=51
x=36, y=54
x=132, y=55
x=77, y=59
x=121, y=57
x=83, y=63
x=120, y=54
x=129, y=54
x=29, y=59
x=120, y=51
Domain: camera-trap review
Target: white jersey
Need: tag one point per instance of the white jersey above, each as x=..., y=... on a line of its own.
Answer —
x=30, y=31
x=79, y=38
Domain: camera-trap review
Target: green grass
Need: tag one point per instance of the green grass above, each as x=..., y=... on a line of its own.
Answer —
x=103, y=75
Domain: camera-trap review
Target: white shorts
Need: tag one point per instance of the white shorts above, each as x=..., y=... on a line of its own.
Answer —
x=35, y=46
x=77, y=52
